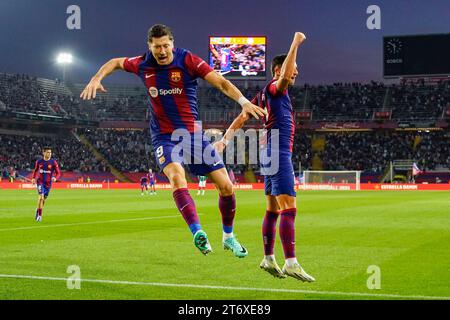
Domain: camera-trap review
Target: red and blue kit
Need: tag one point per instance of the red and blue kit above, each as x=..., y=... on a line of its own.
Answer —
x=152, y=178
x=43, y=172
x=173, y=105
x=144, y=181
x=280, y=126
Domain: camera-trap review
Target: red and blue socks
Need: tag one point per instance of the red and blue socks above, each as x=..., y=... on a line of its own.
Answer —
x=269, y=231
x=227, y=207
x=287, y=232
x=186, y=206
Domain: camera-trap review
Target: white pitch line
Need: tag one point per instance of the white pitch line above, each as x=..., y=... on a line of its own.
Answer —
x=85, y=223
x=197, y=286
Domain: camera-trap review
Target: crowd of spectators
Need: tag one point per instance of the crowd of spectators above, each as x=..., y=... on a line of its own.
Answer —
x=373, y=151
x=20, y=92
x=346, y=101
x=336, y=102
x=131, y=151
x=302, y=152
x=414, y=102
x=126, y=150
x=366, y=150
x=20, y=152
x=433, y=151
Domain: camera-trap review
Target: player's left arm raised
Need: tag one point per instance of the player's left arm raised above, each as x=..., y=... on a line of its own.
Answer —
x=230, y=90
x=287, y=69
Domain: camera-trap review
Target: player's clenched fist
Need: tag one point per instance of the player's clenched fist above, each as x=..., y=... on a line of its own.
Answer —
x=299, y=37
x=91, y=90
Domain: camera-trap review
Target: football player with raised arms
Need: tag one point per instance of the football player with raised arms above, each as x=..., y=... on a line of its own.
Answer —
x=279, y=186
x=170, y=75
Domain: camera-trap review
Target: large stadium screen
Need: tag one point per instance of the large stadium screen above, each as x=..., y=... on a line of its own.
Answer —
x=238, y=57
x=422, y=55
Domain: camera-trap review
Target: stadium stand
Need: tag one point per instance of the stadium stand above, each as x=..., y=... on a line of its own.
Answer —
x=130, y=150
x=344, y=102
x=20, y=152
x=419, y=101
x=337, y=102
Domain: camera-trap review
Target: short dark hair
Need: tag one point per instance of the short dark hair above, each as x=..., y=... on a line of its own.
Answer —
x=158, y=31
x=46, y=148
x=277, y=62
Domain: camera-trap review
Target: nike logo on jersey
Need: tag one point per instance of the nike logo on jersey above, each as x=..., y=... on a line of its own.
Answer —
x=216, y=163
x=149, y=75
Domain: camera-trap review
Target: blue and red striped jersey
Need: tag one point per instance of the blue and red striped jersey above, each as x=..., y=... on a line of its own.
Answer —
x=151, y=176
x=44, y=170
x=172, y=89
x=144, y=179
x=280, y=114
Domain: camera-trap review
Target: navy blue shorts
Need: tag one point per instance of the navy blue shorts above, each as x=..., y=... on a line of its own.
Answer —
x=43, y=190
x=152, y=183
x=283, y=181
x=194, y=150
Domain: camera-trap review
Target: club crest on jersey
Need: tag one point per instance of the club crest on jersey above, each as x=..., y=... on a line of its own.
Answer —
x=49, y=166
x=153, y=92
x=175, y=76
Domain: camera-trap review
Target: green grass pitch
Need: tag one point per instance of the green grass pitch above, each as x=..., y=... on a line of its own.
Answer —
x=139, y=247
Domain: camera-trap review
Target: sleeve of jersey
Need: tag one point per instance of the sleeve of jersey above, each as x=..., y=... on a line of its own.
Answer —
x=35, y=171
x=197, y=66
x=57, y=171
x=273, y=90
x=132, y=64
x=256, y=102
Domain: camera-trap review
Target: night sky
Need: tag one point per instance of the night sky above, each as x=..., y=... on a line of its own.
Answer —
x=339, y=47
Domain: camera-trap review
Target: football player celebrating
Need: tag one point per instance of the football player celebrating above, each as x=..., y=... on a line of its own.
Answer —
x=170, y=75
x=279, y=185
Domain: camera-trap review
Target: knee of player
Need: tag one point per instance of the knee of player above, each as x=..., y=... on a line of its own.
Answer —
x=178, y=179
x=286, y=202
x=226, y=189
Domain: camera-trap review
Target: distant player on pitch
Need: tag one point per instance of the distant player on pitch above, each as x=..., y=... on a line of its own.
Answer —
x=152, y=181
x=279, y=187
x=46, y=171
x=170, y=76
x=201, y=185
x=144, y=185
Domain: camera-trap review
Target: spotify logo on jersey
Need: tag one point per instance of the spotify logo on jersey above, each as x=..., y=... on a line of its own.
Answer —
x=154, y=92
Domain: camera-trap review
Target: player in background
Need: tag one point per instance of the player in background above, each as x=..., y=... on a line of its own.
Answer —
x=201, y=185
x=170, y=75
x=152, y=181
x=46, y=171
x=279, y=187
x=144, y=185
